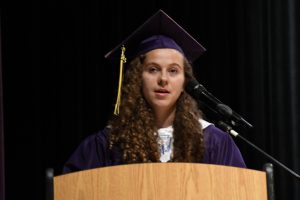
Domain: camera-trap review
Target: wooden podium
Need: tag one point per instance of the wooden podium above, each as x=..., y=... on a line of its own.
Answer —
x=160, y=181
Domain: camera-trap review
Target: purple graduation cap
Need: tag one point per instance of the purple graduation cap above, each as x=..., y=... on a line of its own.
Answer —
x=159, y=31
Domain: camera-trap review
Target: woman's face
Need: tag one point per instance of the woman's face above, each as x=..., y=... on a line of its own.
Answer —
x=163, y=78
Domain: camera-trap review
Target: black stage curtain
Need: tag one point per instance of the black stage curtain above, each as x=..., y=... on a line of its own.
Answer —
x=58, y=88
x=2, y=174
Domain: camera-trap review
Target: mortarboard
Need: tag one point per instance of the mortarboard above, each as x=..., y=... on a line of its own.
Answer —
x=159, y=31
x=163, y=25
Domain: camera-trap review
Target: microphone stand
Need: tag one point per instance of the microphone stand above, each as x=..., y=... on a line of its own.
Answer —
x=222, y=114
x=224, y=126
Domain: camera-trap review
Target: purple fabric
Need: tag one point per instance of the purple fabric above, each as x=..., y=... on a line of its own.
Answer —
x=93, y=152
x=157, y=42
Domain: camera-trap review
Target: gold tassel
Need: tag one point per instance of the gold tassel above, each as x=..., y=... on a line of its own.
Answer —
x=122, y=61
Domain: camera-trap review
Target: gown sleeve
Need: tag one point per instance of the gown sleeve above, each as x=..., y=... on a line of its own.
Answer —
x=91, y=153
x=221, y=149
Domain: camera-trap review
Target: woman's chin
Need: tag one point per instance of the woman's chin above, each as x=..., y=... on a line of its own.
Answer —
x=162, y=105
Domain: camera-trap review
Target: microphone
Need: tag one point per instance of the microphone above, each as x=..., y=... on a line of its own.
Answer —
x=200, y=93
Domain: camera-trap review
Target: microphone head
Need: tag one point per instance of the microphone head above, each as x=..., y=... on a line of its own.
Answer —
x=194, y=85
x=191, y=84
x=190, y=87
x=194, y=88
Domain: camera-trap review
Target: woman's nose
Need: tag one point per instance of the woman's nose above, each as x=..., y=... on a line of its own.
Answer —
x=163, y=80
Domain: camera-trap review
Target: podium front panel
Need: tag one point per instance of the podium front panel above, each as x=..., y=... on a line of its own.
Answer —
x=172, y=181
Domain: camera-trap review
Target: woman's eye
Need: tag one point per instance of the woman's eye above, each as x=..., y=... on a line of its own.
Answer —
x=173, y=71
x=152, y=69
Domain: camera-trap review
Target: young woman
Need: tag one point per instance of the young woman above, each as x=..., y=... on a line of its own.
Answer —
x=158, y=120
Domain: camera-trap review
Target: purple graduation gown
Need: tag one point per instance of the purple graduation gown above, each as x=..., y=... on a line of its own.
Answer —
x=93, y=152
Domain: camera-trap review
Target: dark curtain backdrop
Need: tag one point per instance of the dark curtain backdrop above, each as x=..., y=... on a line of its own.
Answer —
x=2, y=174
x=58, y=88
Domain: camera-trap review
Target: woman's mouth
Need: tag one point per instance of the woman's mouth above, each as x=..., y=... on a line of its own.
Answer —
x=161, y=92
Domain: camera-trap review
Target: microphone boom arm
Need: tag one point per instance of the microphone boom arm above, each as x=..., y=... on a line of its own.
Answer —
x=229, y=130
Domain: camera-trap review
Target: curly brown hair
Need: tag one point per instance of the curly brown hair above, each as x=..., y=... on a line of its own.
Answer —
x=133, y=130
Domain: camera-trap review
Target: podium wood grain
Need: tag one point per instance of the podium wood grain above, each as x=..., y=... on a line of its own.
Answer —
x=171, y=181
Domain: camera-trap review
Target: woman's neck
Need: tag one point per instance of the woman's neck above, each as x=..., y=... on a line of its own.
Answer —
x=164, y=118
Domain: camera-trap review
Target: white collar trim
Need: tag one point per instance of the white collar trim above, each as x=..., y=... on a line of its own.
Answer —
x=204, y=123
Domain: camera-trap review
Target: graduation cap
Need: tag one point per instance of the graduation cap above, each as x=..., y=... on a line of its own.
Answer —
x=159, y=31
